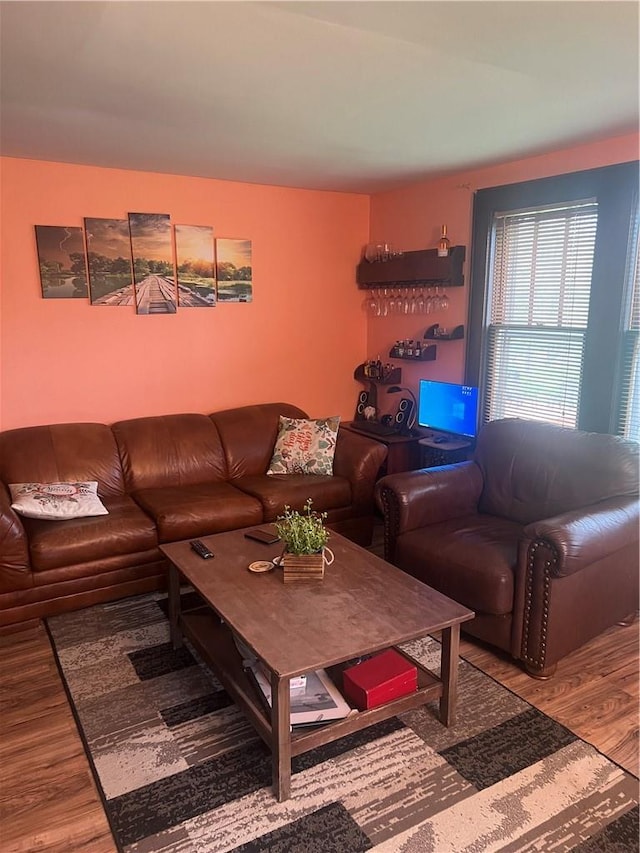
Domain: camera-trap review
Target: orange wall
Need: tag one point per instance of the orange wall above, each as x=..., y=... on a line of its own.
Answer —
x=298, y=341
x=411, y=218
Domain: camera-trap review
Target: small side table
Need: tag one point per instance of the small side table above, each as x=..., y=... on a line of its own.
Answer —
x=443, y=452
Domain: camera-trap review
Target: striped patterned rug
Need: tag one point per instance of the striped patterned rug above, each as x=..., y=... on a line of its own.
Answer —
x=181, y=771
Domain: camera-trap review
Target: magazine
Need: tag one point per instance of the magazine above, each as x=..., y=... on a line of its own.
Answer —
x=318, y=701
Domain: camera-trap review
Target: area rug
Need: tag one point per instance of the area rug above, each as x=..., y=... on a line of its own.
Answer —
x=180, y=771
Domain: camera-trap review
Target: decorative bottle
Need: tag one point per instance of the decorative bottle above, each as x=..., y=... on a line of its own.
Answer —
x=444, y=243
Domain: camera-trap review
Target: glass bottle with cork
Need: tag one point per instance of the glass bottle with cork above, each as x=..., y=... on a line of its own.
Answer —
x=444, y=244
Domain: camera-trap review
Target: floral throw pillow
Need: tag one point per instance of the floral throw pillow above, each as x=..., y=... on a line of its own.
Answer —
x=56, y=501
x=305, y=446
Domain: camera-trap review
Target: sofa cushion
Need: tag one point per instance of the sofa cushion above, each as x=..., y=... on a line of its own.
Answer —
x=469, y=559
x=62, y=452
x=181, y=512
x=248, y=435
x=275, y=490
x=56, y=501
x=305, y=446
x=125, y=530
x=170, y=450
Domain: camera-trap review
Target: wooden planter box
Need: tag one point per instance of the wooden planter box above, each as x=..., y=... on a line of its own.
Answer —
x=303, y=567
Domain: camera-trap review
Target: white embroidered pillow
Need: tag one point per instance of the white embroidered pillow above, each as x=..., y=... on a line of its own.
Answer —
x=56, y=501
x=305, y=446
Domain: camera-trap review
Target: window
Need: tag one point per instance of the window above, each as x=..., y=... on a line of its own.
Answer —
x=540, y=283
x=549, y=265
x=629, y=418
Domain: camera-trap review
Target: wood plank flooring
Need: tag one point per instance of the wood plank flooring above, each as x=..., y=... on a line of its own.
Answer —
x=48, y=800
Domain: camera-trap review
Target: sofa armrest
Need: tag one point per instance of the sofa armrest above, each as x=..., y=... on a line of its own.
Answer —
x=15, y=569
x=359, y=459
x=416, y=499
x=587, y=535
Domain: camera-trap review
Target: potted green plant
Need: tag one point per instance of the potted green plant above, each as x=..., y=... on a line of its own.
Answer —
x=304, y=537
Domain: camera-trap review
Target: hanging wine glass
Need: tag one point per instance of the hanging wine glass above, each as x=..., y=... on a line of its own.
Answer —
x=444, y=300
x=428, y=302
x=385, y=302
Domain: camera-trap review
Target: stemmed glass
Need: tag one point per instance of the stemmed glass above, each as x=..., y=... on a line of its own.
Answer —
x=444, y=301
x=428, y=302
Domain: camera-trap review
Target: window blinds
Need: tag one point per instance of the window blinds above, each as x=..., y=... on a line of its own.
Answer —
x=629, y=420
x=540, y=273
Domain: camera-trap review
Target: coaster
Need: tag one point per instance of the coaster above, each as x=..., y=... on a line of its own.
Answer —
x=260, y=566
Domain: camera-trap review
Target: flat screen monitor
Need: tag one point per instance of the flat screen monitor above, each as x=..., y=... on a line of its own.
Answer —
x=449, y=408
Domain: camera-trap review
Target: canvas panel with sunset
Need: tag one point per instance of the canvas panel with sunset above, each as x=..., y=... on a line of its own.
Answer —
x=233, y=267
x=109, y=261
x=62, y=262
x=195, y=263
x=152, y=251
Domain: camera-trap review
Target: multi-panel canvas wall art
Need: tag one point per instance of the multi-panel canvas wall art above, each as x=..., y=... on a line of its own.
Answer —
x=152, y=253
x=195, y=264
x=233, y=269
x=61, y=259
x=131, y=262
x=109, y=262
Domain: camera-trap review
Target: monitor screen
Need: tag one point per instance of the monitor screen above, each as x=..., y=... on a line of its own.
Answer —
x=446, y=407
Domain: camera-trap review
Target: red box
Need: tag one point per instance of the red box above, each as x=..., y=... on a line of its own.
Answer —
x=380, y=678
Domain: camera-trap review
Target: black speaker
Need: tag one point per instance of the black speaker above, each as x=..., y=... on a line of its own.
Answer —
x=363, y=402
x=404, y=416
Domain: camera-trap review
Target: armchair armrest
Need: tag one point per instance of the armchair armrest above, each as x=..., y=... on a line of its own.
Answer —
x=587, y=535
x=15, y=570
x=415, y=499
x=359, y=459
x=577, y=574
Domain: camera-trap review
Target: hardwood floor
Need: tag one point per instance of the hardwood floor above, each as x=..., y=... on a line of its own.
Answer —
x=594, y=692
x=48, y=800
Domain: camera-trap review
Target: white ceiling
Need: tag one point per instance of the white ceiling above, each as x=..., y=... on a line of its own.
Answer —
x=351, y=96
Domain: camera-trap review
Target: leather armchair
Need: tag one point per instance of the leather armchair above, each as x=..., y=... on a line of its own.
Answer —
x=538, y=534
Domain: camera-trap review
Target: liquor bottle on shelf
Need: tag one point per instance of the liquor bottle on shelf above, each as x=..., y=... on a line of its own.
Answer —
x=444, y=244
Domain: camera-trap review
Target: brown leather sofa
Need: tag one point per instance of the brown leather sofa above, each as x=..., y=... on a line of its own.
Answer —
x=538, y=534
x=161, y=479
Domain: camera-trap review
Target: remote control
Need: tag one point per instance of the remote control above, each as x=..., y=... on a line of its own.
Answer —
x=201, y=549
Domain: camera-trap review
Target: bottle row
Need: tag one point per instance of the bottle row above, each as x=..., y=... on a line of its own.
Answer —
x=375, y=369
x=407, y=349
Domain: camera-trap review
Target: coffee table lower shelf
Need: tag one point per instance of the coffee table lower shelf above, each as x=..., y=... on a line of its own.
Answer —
x=214, y=642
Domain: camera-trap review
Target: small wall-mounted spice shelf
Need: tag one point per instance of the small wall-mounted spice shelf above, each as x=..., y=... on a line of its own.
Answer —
x=433, y=333
x=393, y=377
x=426, y=354
x=423, y=267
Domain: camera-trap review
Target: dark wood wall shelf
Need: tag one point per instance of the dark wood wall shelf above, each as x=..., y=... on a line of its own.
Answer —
x=393, y=378
x=427, y=354
x=422, y=267
x=456, y=334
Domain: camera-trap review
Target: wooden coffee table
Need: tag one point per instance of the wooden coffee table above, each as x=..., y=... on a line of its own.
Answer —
x=363, y=605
